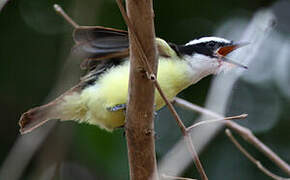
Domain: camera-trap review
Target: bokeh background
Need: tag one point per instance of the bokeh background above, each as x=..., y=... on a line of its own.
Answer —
x=36, y=66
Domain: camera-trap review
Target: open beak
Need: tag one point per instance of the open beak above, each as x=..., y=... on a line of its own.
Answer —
x=223, y=51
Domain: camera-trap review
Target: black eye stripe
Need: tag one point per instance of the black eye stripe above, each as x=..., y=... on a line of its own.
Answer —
x=211, y=44
x=197, y=48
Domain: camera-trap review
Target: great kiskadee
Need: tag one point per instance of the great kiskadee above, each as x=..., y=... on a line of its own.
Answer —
x=101, y=96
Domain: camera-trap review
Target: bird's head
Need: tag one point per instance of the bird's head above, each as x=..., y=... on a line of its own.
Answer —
x=210, y=51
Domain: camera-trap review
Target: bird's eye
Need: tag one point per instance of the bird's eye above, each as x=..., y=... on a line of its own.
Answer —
x=211, y=44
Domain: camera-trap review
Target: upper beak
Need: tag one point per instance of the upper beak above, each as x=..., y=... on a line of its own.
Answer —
x=223, y=51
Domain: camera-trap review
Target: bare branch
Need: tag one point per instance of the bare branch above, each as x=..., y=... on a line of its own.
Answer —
x=242, y=116
x=251, y=158
x=152, y=77
x=244, y=132
x=139, y=114
x=61, y=12
x=193, y=107
x=248, y=136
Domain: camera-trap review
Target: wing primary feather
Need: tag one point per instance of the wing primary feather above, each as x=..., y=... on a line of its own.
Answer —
x=88, y=33
x=100, y=43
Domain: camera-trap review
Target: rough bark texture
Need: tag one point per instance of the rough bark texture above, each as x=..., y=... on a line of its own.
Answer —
x=139, y=119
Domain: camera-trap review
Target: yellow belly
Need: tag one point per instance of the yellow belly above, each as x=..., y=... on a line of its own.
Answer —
x=112, y=89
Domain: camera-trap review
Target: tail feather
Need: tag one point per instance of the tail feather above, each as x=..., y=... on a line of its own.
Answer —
x=36, y=117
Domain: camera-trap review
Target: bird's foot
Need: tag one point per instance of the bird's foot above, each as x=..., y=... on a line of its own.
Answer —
x=117, y=107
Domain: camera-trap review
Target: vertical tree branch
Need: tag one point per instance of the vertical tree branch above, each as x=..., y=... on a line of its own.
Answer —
x=140, y=108
x=151, y=75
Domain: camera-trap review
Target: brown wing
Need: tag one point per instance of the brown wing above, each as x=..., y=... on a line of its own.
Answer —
x=96, y=43
x=99, y=43
x=89, y=33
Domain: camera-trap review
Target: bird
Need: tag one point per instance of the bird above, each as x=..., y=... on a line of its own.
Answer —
x=101, y=95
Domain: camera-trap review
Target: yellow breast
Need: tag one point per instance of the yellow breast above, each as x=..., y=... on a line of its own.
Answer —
x=111, y=89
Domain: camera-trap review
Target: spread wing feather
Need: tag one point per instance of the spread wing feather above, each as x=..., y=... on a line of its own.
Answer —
x=96, y=43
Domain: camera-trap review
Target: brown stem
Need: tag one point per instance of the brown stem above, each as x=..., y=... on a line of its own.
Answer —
x=194, y=155
x=251, y=158
x=185, y=133
x=139, y=114
x=151, y=76
x=244, y=132
x=248, y=136
x=61, y=12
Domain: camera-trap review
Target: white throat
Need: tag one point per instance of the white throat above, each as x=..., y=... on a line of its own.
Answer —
x=201, y=66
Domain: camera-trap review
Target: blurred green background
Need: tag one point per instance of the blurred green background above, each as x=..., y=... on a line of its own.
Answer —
x=36, y=66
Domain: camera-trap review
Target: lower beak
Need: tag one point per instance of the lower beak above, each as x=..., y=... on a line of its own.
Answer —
x=223, y=51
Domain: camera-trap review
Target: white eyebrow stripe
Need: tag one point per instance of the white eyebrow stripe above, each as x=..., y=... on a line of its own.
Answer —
x=207, y=39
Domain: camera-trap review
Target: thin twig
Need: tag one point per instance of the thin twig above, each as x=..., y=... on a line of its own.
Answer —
x=170, y=106
x=164, y=176
x=242, y=116
x=252, y=159
x=172, y=109
x=135, y=38
x=61, y=12
x=193, y=107
x=246, y=134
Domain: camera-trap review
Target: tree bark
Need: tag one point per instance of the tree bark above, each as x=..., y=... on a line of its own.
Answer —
x=140, y=107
